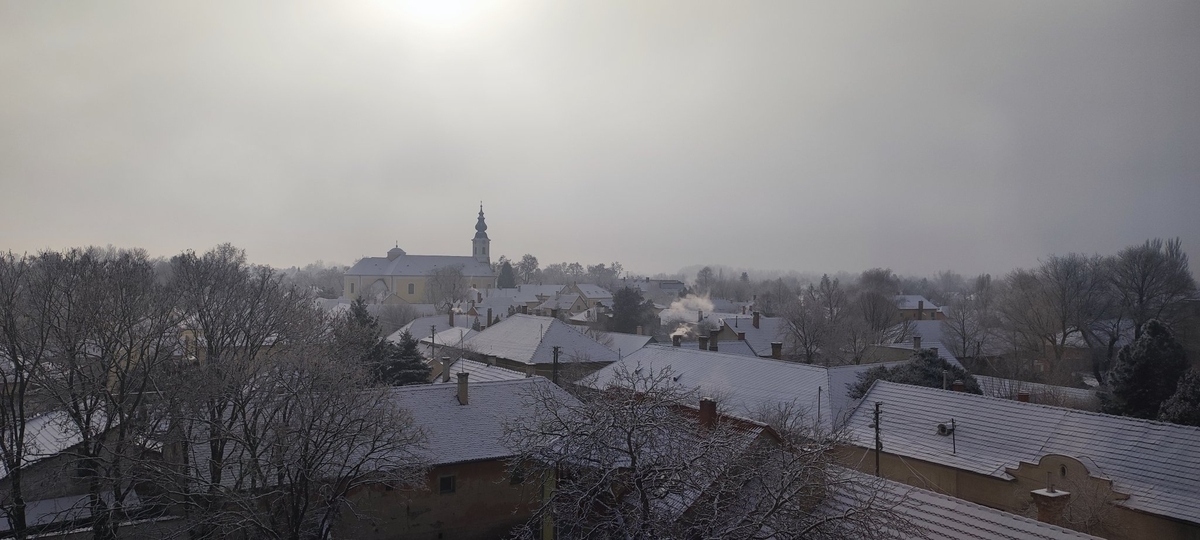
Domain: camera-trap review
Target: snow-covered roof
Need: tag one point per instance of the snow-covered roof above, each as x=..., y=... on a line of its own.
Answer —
x=528, y=289
x=912, y=301
x=473, y=432
x=418, y=265
x=480, y=372
x=940, y=517
x=593, y=292
x=739, y=348
x=1156, y=463
x=747, y=386
x=48, y=435
x=621, y=342
x=453, y=337
x=942, y=351
x=420, y=328
x=770, y=329
x=1084, y=398
x=562, y=301
x=530, y=339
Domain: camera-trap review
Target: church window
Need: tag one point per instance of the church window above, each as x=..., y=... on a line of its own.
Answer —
x=412, y=289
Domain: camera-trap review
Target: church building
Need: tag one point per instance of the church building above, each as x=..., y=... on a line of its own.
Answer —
x=401, y=278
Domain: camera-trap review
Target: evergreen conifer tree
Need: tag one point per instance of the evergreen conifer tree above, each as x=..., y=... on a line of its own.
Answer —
x=1146, y=373
x=925, y=369
x=1184, y=406
x=507, y=279
x=401, y=363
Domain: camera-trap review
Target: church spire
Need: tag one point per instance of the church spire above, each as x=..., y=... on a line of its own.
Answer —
x=481, y=244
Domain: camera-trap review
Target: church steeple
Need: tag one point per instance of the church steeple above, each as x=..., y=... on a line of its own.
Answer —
x=480, y=245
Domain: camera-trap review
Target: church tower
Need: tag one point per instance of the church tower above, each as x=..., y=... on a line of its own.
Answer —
x=481, y=243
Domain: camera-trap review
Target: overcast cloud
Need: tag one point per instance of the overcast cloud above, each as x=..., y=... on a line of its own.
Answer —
x=817, y=136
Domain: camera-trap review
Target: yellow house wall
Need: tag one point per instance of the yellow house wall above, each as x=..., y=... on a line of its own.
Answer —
x=1013, y=496
x=398, y=286
x=484, y=505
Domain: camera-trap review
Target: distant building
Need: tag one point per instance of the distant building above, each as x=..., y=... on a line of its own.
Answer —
x=915, y=307
x=402, y=278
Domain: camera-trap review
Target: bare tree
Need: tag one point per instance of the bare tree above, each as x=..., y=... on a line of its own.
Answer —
x=444, y=286
x=312, y=433
x=632, y=460
x=24, y=345
x=237, y=315
x=112, y=328
x=971, y=321
x=527, y=268
x=1153, y=281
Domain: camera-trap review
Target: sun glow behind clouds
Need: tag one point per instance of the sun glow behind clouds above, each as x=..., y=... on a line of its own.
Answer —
x=436, y=15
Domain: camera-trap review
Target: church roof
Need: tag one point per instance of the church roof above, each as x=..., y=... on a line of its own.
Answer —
x=418, y=265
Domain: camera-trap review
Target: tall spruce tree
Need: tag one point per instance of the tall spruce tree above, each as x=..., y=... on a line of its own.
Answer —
x=507, y=279
x=402, y=363
x=1146, y=373
x=1184, y=406
x=630, y=311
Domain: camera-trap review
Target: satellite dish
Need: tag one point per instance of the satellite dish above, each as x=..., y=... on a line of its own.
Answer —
x=944, y=430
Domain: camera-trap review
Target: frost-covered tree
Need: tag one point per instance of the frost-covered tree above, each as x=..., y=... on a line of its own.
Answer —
x=634, y=460
x=1184, y=406
x=925, y=369
x=1146, y=373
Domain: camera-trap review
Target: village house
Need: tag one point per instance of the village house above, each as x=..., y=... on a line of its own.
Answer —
x=915, y=307
x=531, y=344
x=403, y=278
x=470, y=491
x=1113, y=476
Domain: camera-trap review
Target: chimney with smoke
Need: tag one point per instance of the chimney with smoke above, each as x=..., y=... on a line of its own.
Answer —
x=699, y=315
x=712, y=339
x=676, y=340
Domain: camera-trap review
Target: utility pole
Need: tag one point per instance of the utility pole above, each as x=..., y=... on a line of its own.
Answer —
x=556, y=349
x=432, y=339
x=878, y=439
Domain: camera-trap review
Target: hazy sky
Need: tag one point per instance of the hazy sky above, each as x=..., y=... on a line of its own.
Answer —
x=817, y=136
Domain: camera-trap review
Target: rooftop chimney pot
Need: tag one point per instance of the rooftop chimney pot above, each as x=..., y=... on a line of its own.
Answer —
x=712, y=339
x=777, y=350
x=703, y=340
x=920, y=309
x=445, y=369
x=755, y=321
x=1023, y=396
x=462, y=388
x=916, y=343
x=1050, y=504
x=708, y=412
x=958, y=385
x=676, y=340
x=741, y=336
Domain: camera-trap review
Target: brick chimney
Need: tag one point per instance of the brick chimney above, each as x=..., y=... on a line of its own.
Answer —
x=676, y=340
x=451, y=317
x=777, y=350
x=554, y=313
x=708, y=412
x=703, y=342
x=462, y=388
x=1050, y=504
x=920, y=309
x=712, y=339
x=755, y=320
x=445, y=369
x=1023, y=396
x=958, y=386
x=916, y=343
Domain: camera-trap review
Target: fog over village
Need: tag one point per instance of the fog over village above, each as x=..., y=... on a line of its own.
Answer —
x=431, y=269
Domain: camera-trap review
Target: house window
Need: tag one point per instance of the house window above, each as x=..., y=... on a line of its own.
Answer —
x=351, y=288
x=412, y=289
x=446, y=484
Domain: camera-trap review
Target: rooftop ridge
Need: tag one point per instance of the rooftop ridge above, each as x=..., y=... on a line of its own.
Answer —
x=1025, y=404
